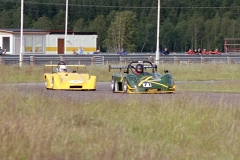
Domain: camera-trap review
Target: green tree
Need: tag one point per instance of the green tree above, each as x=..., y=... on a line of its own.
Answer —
x=99, y=25
x=110, y=17
x=237, y=35
x=208, y=35
x=147, y=32
x=226, y=27
x=216, y=25
x=59, y=20
x=195, y=29
x=205, y=20
x=15, y=16
x=218, y=42
x=43, y=23
x=5, y=21
x=183, y=42
x=79, y=26
x=121, y=32
x=168, y=35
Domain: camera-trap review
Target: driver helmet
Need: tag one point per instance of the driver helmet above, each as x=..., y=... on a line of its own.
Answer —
x=63, y=68
x=139, y=68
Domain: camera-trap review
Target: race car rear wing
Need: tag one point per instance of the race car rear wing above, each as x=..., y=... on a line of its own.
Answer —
x=116, y=67
x=56, y=65
x=124, y=67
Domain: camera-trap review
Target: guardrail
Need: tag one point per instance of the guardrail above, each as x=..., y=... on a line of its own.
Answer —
x=41, y=59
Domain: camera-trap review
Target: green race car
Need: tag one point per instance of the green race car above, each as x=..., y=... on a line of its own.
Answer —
x=141, y=77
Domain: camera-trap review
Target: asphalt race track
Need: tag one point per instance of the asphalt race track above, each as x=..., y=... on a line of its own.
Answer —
x=104, y=92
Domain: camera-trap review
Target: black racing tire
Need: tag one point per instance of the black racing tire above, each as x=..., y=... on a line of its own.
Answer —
x=114, y=85
x=52, y=85
x=46, y=86
x=124, y=86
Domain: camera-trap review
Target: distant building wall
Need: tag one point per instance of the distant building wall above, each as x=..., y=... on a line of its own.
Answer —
x=73, y=42
x=6, y=42
x=41, y=42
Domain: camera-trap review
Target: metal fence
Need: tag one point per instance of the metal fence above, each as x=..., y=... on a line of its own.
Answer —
x=100, y=59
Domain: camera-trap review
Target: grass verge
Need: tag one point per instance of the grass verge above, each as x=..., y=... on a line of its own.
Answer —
x=36, y=126
x=192, y=72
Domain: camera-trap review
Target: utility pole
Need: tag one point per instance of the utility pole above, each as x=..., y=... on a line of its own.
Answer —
x=158, y=28
x=21, y=36
x=66, y=26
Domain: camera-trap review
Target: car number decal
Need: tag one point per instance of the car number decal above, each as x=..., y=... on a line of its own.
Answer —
x=147, y=84
x=75, y=81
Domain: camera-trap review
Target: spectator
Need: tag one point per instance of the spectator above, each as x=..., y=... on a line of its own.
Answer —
x=80, y=50
x=165, y=52
x=74, y=51
x=209, y=52
x=2, y=51
x=216, y=51
x=190, y=51
x=204, y=51
x=96, y=52
x=117, y=51
x=195, y=51
x=122, y=52
x=199, y=51
x=161, y=52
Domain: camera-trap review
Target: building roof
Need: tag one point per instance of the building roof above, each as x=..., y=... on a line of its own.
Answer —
x=73, y=33
x=19, y=30
x=25, y=31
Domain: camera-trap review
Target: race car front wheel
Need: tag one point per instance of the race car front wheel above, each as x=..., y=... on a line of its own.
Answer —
x=52, y=85
x=125, y=87
x=114, y=85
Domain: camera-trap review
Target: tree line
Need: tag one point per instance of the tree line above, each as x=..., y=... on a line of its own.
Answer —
x=132, y=25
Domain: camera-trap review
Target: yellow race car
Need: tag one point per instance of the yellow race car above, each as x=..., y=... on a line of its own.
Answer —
x=61, y=78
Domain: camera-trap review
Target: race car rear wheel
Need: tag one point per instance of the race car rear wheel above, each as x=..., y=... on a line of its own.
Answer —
x=125, y=87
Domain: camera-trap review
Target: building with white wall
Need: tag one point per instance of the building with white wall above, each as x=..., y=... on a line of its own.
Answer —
x=47, y=42
x=55, y=42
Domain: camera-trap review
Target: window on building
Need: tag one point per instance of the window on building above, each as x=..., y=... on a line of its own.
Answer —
x=6, y=43
x=34, y=44
x=28, y=44
x=39, y=44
